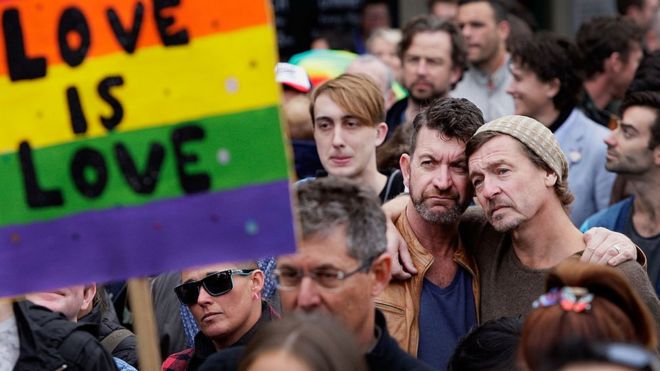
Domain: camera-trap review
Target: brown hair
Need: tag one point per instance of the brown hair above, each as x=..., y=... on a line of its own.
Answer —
x=561, y=185
x=319, y=341
x=617, y=313
x=358, y=95
x=429, y=23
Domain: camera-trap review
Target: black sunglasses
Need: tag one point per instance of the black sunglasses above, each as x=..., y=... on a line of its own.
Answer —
x=216, y=284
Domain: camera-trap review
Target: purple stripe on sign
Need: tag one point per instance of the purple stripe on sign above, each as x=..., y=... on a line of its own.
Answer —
x=112, y=244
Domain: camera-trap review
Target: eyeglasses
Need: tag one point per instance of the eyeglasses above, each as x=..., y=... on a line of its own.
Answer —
x=216, y=284
x=289, y=278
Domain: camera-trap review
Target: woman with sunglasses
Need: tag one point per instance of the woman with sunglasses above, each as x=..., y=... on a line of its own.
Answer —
x=226, y=301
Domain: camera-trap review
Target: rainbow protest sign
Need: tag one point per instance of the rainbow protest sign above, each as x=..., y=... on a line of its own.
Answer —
x=137, y=137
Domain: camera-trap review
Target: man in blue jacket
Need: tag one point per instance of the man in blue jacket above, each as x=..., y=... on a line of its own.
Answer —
x=633, y=150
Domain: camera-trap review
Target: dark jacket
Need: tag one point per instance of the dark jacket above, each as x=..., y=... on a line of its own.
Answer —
x=107, y=323
x=48, y=341
x=191, y=359
x=387, y=355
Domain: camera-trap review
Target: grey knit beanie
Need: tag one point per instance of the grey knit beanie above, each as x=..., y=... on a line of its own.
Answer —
x=535, y=136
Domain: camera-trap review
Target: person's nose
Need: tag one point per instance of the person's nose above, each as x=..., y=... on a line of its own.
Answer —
x=610, y=139
x=442, y=179
x=490, y=188
x=422, y=67
x=338, y=137
x=308, y=294
x=204, y=298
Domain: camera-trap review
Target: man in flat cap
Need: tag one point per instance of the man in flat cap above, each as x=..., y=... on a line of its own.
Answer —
x=519, y=174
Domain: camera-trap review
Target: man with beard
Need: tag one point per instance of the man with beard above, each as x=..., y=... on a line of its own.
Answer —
x=433, y=58
x=430, y=312
x=519, y=175
x=633, y=150
x=485, y=27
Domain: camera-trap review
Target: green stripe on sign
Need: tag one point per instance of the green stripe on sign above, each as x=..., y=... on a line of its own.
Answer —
x=236, y=150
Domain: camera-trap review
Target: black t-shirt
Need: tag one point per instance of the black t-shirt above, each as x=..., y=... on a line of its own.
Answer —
x=651, y=248
x=393, y=187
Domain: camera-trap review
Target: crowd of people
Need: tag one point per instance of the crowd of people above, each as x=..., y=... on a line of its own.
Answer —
x=503, y=214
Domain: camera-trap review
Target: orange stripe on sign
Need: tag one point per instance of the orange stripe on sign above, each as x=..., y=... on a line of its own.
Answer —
x=40, y=21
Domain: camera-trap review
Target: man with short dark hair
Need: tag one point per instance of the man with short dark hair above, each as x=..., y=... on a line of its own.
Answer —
x=341, y=265
x=438, y=305
x=642, y=12
x=433, y=60
x=485, y=28
x=546, y=87
x=634, y=151
x=611, y=50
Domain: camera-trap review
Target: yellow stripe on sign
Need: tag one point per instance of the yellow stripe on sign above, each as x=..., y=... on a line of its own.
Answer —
x=217, y=74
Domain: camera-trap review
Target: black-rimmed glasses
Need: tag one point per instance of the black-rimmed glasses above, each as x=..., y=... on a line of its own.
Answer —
x=216, y=284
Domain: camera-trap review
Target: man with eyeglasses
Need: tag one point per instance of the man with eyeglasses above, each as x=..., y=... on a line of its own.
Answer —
x=225, y=300
x=342, y=265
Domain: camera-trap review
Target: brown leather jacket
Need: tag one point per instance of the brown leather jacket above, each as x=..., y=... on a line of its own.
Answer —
x=400, y=301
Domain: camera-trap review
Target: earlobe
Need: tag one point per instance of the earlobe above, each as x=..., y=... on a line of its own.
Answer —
x=550, y=179
x=258, y=281
x=381, y=133
x=381, y=270
x=88, y=296
x=404, y=165
x=504, y=29
x=553, y=87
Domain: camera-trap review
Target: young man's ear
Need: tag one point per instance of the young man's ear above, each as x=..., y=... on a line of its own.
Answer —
x=381, y=133
x=614, y=63
x=381, y=269
x=553, y=88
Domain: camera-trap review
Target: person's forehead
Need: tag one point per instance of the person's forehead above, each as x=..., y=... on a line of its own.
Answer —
x=324, y=104
x=479, y=10
x=640, y=117
x=431, y=141
x=321, y=249
x=200, y=272
x=431, y=42
x=498, y=148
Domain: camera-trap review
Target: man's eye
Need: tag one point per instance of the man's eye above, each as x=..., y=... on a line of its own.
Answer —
x=476, y=182
x=288, y=273
x=326, y=275
x=502, y=171
x=352, y=124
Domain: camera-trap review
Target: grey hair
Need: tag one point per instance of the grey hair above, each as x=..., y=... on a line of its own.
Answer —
x=330, y=202
x=391, y=35
x=366, y=59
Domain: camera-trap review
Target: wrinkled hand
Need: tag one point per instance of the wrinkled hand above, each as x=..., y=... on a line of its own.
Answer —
x=402, y=265
x=607, y=247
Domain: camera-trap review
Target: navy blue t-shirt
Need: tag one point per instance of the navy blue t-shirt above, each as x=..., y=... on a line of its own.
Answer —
x=445, y=315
